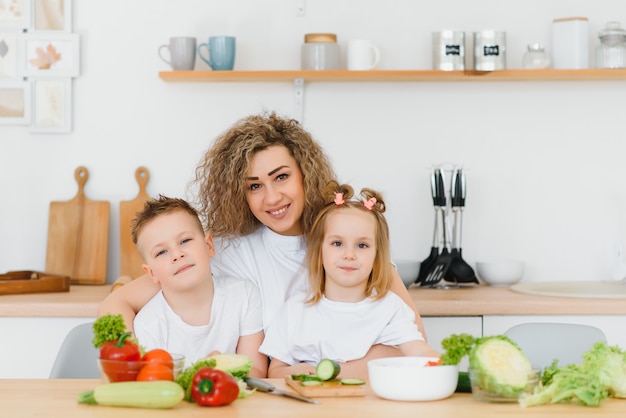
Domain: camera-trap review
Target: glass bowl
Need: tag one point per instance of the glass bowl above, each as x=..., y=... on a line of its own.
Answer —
x=127, y=371
x=506, y=387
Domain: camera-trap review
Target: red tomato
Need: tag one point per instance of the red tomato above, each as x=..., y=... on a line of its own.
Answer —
x=434, y=363
x=159, y=356
x=155, y=371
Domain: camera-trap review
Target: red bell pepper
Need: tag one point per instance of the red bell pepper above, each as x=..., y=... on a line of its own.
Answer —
x=212, y=387
x=125, y=354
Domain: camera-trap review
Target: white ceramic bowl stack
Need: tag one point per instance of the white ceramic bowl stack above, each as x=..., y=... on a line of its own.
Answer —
x=500, y=273
x=408, y=270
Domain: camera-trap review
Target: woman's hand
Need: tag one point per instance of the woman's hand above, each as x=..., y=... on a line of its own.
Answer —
x=280, y=369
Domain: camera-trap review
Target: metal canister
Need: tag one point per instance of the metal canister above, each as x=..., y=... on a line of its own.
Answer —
x=489, y=50
x=449, y=50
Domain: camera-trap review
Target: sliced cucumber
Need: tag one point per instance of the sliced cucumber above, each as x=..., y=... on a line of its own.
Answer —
x=327, y=369
x=304, y=377
x=311, y=383
x=352, y=381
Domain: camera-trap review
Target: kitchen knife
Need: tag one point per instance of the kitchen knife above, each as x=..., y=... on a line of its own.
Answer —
x=265, y=386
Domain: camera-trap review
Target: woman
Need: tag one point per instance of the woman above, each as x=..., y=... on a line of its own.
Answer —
x=260, y=186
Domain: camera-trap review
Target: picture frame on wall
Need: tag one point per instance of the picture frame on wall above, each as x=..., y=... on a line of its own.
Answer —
x=15, y=102
x=15, y=14
x=50, y=54
x=51, y=15
x=51, y=106
x=10, y=54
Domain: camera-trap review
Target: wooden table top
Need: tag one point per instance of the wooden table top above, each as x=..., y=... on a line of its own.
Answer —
x=57, y=398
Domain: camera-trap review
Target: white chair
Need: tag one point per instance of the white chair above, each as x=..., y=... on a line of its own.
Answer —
x=77, y=358
x=545, y=342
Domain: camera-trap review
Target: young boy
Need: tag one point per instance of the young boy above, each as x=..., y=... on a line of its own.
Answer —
x=194, y=314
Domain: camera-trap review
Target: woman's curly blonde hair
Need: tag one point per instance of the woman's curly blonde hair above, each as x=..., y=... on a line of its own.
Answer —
x=340, y=197
x=220, y=174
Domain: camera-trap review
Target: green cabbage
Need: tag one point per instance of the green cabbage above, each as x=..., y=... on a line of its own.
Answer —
x=601, y=374
x=503, y=369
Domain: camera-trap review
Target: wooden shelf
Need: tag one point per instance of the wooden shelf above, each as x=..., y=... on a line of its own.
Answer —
x=394, y=75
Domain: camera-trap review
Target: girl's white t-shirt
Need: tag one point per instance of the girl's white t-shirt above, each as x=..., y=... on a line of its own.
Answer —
x=302, y=332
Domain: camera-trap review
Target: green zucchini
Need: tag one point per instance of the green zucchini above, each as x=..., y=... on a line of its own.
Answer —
x=161, y=394
x=464, y=385
x=327, y=369
x=354, y=381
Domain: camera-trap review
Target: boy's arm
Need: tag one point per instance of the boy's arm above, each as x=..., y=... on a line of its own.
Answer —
x=280, y=369
x=249, y=345
x=129, y=299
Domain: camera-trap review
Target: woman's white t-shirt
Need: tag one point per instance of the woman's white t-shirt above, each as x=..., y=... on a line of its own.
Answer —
x=274, y=262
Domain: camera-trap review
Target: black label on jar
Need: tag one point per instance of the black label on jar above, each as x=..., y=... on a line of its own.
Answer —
x=491, y=50
x=453, y=49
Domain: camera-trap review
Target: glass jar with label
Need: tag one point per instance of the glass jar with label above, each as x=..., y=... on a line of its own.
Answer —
x=535, y=58
x=611, y=52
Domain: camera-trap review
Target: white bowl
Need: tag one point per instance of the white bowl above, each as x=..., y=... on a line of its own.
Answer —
x=409, y=379
x=408, y=270
x=500, y=273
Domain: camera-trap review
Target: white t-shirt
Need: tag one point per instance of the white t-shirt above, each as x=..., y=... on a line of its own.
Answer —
x=341, y=331
x=235, y=312
x=275, y=263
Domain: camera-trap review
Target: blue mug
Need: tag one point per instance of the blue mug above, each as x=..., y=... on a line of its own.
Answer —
x=221, y=52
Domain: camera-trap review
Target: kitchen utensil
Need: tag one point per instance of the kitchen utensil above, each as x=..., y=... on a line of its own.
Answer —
x=459, y=271
x=441, y=264
x=434, y=250
x=130, y=260
x=330, y=389
x=19, y=282
x=78, y=236
x=265, y=386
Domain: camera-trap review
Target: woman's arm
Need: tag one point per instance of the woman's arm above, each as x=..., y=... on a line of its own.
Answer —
x=398, y=287
x=249, y=345
x=280, y=369
x=129, y=299
x=417, y=348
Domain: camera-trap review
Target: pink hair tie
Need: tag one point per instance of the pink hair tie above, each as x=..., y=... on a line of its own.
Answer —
x=369, y=203
x=339, y=199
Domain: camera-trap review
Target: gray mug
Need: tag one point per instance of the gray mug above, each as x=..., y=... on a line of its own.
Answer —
x=181, y=51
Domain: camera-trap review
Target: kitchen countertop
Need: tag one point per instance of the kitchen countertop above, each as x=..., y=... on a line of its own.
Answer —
x=83, y=301
x=57, y=398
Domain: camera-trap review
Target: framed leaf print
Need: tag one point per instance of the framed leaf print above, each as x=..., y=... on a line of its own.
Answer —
x=50, y=54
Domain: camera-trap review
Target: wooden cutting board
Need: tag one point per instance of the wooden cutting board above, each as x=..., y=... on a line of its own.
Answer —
x=326, y=390
x=78, y=236
x=130, y=260
x=20, y=282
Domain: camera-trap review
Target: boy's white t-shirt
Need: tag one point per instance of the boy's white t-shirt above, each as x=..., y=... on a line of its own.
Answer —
x=235, y=312
x=342, y=331
x=275, y=263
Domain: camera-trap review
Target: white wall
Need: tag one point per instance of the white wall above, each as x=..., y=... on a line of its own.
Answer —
x=544, y=160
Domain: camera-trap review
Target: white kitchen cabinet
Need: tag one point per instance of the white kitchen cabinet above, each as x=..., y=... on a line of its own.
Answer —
x=30, y=345
x=440, y=327
x=612, y=325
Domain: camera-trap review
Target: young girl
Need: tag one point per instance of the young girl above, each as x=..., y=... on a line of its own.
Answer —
x=349, y=308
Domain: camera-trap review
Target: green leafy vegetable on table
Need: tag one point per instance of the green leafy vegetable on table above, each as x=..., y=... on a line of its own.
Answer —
x=601, y=374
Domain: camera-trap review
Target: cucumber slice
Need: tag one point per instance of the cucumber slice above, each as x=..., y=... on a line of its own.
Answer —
x=327, y=369
x=352, y=381
x=311, y=383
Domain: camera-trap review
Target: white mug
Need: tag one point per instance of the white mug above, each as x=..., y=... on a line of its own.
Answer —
x=362, y=55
